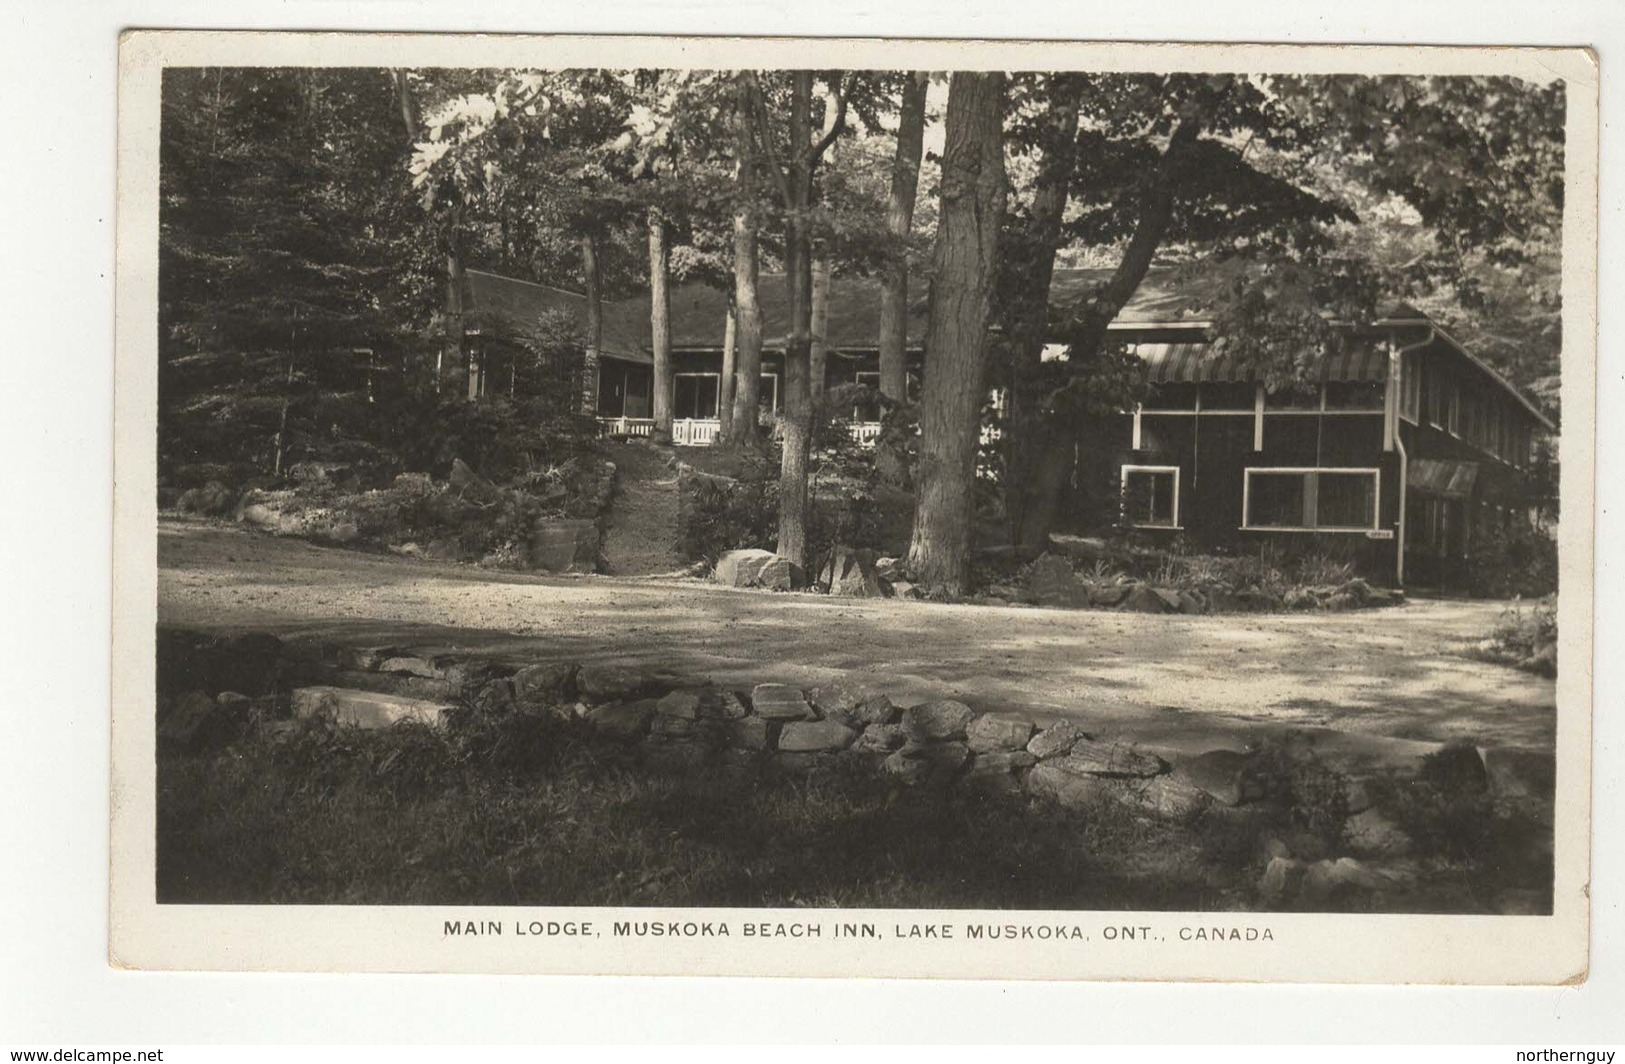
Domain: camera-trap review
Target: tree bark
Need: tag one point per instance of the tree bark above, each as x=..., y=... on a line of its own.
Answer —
x=818, y=351
x=595, y=324
x=905, y=183
x=1028, y=319
x=403, y=100
x=726, y=385
x=660, y=324
x=797, y=417
x=747, y=332
x=963, y=263
x=454, y=350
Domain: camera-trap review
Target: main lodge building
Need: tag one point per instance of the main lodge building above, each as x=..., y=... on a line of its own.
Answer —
x=1406, y=447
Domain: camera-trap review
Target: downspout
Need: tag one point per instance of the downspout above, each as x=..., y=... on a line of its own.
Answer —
x=1396, y=365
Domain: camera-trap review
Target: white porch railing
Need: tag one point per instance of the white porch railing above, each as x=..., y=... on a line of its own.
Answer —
x=702, y=432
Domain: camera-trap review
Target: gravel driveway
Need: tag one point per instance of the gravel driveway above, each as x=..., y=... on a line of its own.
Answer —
x=1386, y=681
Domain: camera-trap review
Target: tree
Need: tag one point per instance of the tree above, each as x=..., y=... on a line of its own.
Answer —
x=905, y=180
x=963, y=266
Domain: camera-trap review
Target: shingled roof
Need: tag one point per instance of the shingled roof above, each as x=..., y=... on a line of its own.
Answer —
x=499, y=303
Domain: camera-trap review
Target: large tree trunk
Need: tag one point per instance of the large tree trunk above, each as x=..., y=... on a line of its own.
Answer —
x=747, y=332
x=1031, y=496
x=905, y=183
x=726, y=385
x=595, y=324
x=1058, y=447
x=818, y=358
x=965, y=256
x=453, y=350
x=797, y=417
x=660, y=324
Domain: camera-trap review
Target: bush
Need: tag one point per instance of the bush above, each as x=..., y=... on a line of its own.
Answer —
x=720, y=514
x=1525, y=637
x=1517, y=561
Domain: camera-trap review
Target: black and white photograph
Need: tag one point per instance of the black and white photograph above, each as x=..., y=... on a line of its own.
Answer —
x=1106, y=514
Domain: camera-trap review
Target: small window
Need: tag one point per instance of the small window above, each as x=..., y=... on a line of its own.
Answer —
x=1151, y=496
x=1325, y=500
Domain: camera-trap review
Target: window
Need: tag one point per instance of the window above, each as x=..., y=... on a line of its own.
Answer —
x=1151, y=496
x=1437, y=401
x=1410, y=387
x=1293, y=397
x=768, y=395
x=1356, y=395
x=1325, y=500
x=1226, y=395
x=695, y=395
x=1175, y=396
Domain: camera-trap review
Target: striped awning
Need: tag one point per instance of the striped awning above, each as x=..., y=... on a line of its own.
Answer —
x=1193, y=362
x=1433, y=476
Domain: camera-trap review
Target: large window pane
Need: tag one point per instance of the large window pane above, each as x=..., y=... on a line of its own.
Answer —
x=1355, y=395
x=1227, y=395
x=1346, y=500
x=1149, y=497
x=695, y=396
x=1275, y=500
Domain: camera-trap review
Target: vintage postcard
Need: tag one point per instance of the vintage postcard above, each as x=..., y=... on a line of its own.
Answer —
x=853, y=508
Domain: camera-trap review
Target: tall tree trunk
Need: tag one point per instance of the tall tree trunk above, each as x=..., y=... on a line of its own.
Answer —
x=963, y=262
x=408, y=108
x=1058, y=448
x=1028, y=317
x=660, y=324
x=595, y=324
x=818, y=351
x=797, y=418
x=725, y=385
x=453, y=351
x=905, y=183
x=747, y=311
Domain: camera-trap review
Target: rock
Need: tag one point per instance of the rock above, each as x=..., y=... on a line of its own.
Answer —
x=1109, y=758
x=934, y=764
x=904, y=771
x=684, y=705
x=999, y=731
x=1108, y=595
x=1520, y=773
x=1003, y=761
x=603, y=683
x=1221, y=774
x=1370, y=834
x=464, y=480
x=881, y=738
x=904, y=590
x=758, y=568
x=877, y=709
x=1050, y=779
x=777, y=701
x=1192, y=602
x=1281, y=880
x=669, y=727
x=413, y=666
x=855, y=699
x=850, y=574
x=1456, y=768
x=1325, y=881
x=565, y=545
x=1169, y=596
x=751, y=733
x=414, y=484
x=622, y=720
x=403, y=684
x=1055, y=740
x=1143, y=599
x=1166, y=796
x=936, y=721
x=1274, y=847
x=366, y=709
x=808, y=736
x=1051, y=582
x=361, y=658
x=213, y=499
x=716, y=704
x=889, y=570
x=546, y=684
x=495, y=697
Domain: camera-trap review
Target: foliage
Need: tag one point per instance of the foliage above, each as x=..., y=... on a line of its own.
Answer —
x=1516, y=561
x=720, y=514
x=1525, y=637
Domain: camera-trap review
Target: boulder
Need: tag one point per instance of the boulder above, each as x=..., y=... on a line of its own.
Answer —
x=889, y=570
x=717, y=704
x=684, y=705
x=1051, y=582
x=495, y=697
x=810, y=736
x=1108, y=594
x=465, y=481
x=1143, y=599
x=213, y=499
x=565, y=545
x=662, y=726
x=1192, y=602
x=1051, y=779
x=998, y=731
x=881, y=738
x=758, y=568
x=777, y=701
x=1169, y=596
x=1110, y=758
x=413, y=666
x=603, y=683
x=855, y=699
x=933, y=764
x=937, y=721
x=904, y=590
x=1002, y=762
x=366, y=709
x=1055, y=740
x=1280, y=881
x=1166, y=796
x=750, y=733
x=622, y=720
x=1370, y=834
x=1223, y=774
x=850, y=574
x=545, y=684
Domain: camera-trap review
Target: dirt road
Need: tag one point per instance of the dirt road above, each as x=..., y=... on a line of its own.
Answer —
x=1379, y=677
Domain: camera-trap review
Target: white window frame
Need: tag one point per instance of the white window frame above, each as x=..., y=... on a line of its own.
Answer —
x=714, y=376
x=1122, y=487
x=763, y=375
x=1247, y=499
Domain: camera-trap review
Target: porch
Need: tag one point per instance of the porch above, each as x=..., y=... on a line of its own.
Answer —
x=703, y=431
